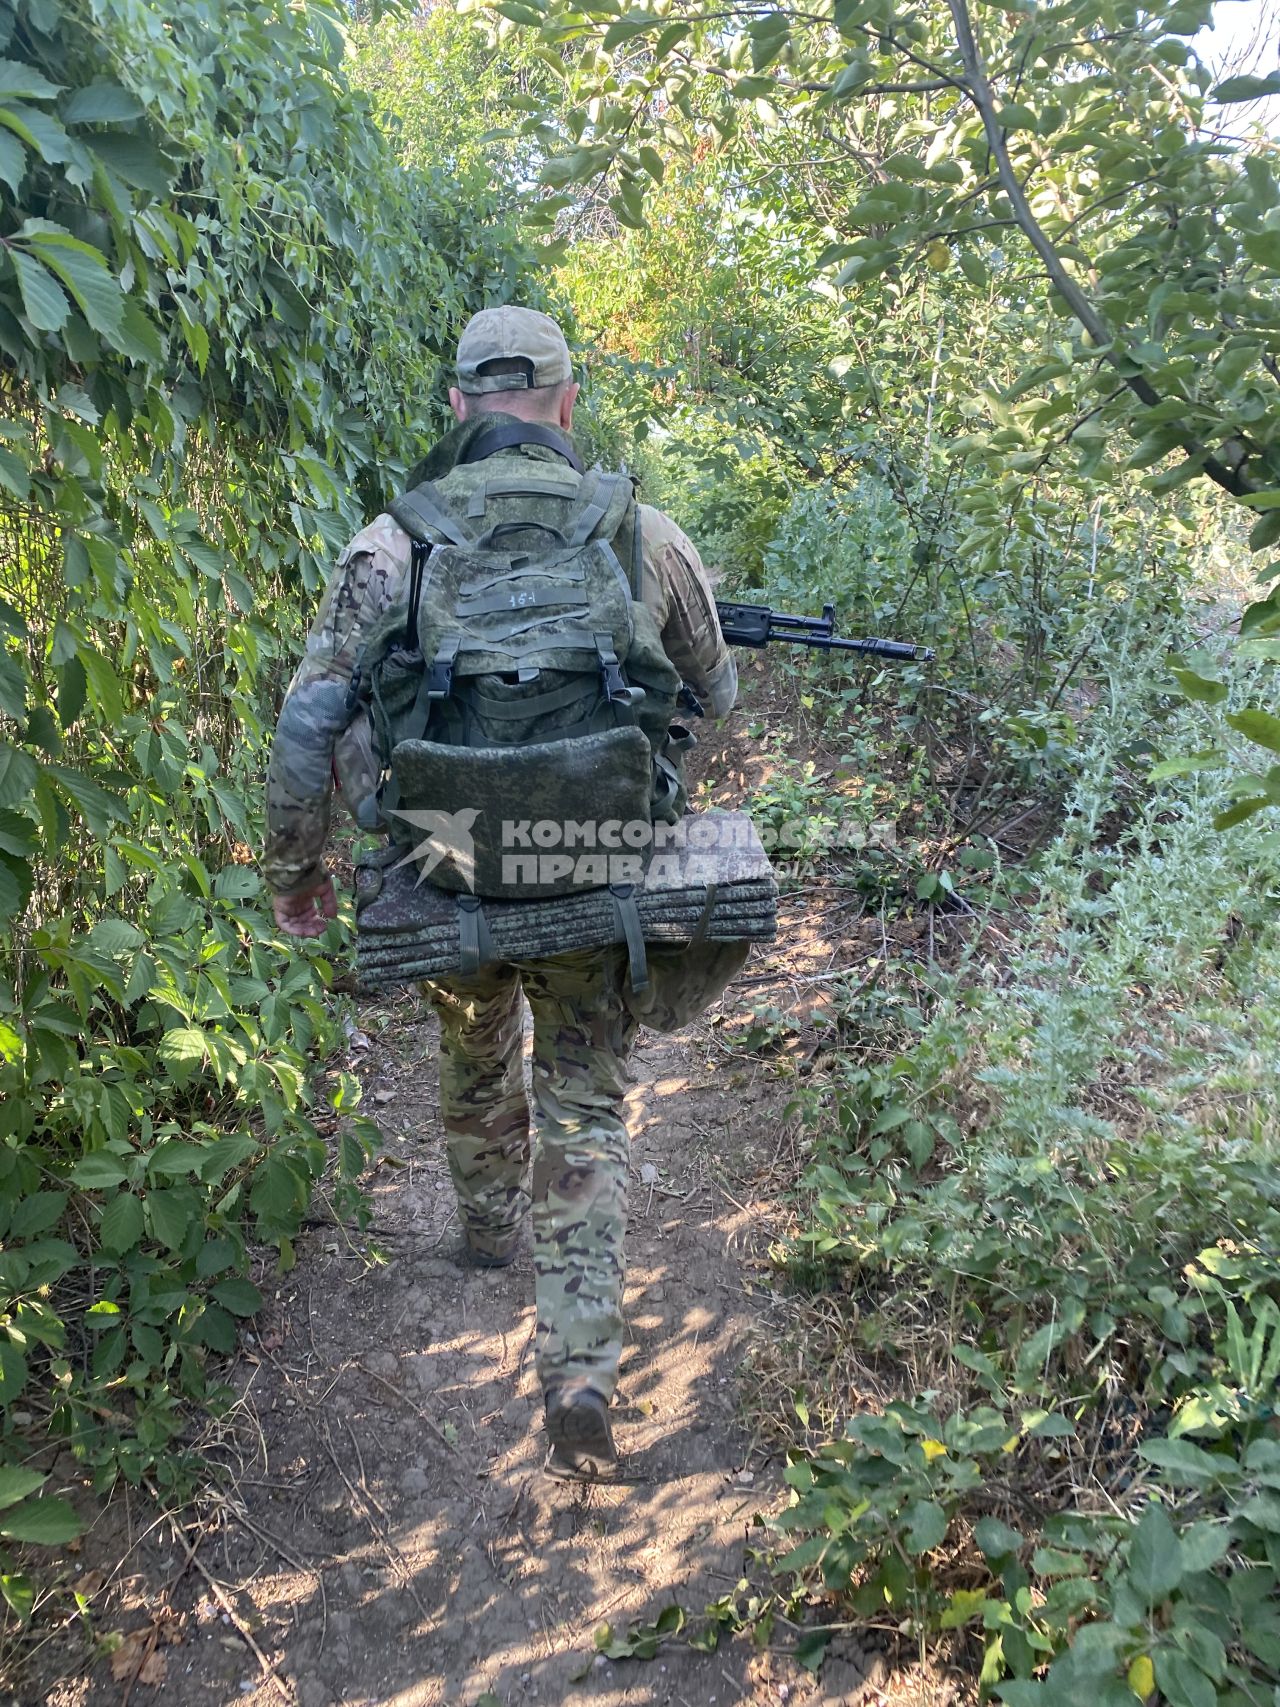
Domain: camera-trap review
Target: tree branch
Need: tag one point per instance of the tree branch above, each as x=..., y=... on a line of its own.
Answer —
x=979, y=91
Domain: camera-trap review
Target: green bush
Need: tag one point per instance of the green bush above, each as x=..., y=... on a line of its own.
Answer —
x=223, y=306
x=1069, y=1160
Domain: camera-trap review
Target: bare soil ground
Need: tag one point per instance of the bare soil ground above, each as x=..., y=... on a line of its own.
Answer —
x=381, y=1531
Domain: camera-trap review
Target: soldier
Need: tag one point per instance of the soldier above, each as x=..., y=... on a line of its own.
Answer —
x=513, y=372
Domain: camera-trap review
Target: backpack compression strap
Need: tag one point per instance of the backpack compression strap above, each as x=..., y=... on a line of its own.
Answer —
x=524, y=433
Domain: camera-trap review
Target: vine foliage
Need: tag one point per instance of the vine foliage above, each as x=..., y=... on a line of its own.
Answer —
x=222, y=308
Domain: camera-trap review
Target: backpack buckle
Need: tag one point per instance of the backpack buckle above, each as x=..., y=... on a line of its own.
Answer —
x=439, y=678
x=616, y=690
x=352, y=701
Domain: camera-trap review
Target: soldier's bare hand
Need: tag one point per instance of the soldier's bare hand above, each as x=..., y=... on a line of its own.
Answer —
x=307, y=913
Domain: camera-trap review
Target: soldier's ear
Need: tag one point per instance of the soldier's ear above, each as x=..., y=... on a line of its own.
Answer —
x=567, y=402
x=458, y=401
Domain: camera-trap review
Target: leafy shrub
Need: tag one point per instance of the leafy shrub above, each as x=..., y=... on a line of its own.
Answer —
x=1071, y=1159
x=222, y=306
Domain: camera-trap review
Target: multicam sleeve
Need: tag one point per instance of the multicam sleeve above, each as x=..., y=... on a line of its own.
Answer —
x=316, y=720
x=676, y=589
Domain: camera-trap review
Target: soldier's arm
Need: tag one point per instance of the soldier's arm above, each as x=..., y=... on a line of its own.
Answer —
x=369, y=577
x=676, y=589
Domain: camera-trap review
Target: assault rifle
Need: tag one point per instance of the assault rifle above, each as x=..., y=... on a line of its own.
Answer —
x=759, y=625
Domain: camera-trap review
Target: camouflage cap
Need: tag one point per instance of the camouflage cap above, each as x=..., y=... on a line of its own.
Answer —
x=507, y=334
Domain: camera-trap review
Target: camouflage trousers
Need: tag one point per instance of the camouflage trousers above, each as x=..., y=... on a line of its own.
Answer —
x=582, y=1033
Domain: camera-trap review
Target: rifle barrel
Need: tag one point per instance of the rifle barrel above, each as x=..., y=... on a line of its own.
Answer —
x=758, y=625
x=902, y=651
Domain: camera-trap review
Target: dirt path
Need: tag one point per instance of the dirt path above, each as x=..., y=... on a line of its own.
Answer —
x=401, y=1448
x=384, y=1535
x=387, y=1535
x=397, y=1541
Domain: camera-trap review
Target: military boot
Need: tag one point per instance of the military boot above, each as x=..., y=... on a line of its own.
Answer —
x=580, y=1438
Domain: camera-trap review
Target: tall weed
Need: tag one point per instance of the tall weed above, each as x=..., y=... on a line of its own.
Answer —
x=1068, y=1157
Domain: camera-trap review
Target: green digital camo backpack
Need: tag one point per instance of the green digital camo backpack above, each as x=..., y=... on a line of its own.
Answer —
x=521, y=697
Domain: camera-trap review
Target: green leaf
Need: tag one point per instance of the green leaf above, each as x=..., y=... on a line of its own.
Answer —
x=46, y=1523
x=101, y=103
x=72, y=689
x=24, y=82
x=13, y=1371
x=218, y=1330
x=197, y=338
x=1047, y=1425
x=670, y=1621
x=115, y=936
x=1181, y=1681
x=1211, y=759
x=1263, y=247
x=1266, y=530
x=15, y=476
x=963, y=1607
x=16, y=1483
x=995, y=1540
x=186, y=1045
x=99, y=809
x=1206, y=689
x=136, y=337
x=16, y=879
x=149, y=1344
x=134, y=158
x=42, y=300
x=351, y=1158
x=82, y=268
x=275, y=1193
x=38, y=131
x=13, y=161
x=98, y=1171
x=1246, y=88
x=811, y=1648
x=1233, y=815
x=1184, y=1461
x=237, y=883
x=171, y=1215
x=1203, y=1546
x=240, y=1296
x=1014, y=116
x=926, y=1523
x=626, y=29
x=671, y=37
x=225, y=1153
x=37, y=1213
x=18, y=775
x=121, y=1226
x=1155, y=1563
x=19, y=1594
x=1258, y=726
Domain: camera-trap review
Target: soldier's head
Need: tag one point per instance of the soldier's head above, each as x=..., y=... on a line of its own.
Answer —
x=515, y=360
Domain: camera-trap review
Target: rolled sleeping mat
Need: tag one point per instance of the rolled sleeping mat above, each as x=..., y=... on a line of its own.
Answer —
x=707, y=879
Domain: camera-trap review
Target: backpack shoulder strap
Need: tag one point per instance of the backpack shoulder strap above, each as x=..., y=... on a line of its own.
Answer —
x=510, y=437
x=637, y=554
x=421, y=513
x=603, y=507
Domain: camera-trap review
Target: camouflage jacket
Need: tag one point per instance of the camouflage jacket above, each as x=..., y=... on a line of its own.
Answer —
x=317, y=739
